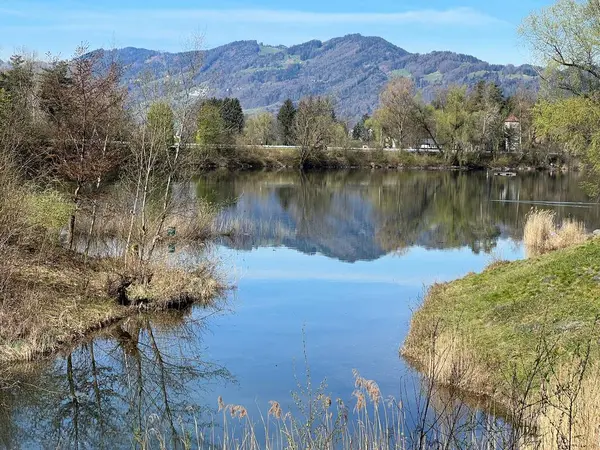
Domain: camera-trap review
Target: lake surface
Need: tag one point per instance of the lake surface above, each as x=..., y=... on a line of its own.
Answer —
x=328, y=268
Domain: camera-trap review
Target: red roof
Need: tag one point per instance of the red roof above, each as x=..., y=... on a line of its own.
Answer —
x=512, y=119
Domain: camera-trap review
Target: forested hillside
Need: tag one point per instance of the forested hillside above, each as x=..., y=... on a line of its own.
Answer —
x=352, y=69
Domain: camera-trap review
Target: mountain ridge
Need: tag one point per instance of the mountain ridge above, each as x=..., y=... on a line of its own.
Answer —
x=352, y=69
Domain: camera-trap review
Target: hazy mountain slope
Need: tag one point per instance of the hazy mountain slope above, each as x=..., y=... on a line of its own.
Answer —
x=353, y=69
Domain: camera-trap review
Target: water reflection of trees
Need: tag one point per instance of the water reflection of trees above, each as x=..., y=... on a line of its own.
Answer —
x=137, y=383
x=362, y=215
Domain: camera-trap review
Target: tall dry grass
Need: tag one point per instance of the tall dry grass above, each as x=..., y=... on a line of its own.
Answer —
x=543, y=234
x=552, y=406
x=436, y=418
x=571, y=414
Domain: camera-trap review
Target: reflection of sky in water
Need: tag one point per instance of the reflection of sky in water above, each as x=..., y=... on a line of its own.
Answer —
x=353, y=316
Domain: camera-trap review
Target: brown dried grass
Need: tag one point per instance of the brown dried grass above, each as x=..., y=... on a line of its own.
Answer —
x=542, y=234
x=568, y=420
x=171, y=287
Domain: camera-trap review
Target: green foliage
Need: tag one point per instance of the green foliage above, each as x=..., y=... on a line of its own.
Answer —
x=161, y=124
x=339, y=136
x=211, y=126
x=17, y=110
x=49, y=210
x=54, y=81
x=18, y=81
x=233, y=116
x=361, y=132
x=224, y=126
x=574, y=123
x=374, y=128
x=565, y=37
x=458, y=121
x=260, y=129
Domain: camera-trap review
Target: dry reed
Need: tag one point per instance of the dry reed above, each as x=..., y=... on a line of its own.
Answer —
x=571, y=416
x=542, y=234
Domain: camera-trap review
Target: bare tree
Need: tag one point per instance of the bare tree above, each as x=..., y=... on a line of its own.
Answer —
x=314, y=126
x=84, y=105
x=397, y=110
x=166, y=114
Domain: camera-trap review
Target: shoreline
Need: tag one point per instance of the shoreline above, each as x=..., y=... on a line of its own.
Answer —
x=256, y=158
x=67, y=299
x=518, y=333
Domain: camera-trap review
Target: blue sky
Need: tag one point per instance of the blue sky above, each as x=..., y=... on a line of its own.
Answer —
x=486, y=29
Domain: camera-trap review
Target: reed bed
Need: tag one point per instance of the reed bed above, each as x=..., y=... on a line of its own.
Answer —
x=543, y=234
x=51, y=296
x=526, y=334
x=368, y=421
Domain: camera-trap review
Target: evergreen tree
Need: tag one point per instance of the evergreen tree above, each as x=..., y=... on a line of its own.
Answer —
x=54, y=80
x=231, y=118
x=285, y=122
x=360, y=132
x=18, y=81
x=233, y=115
x=18, y=128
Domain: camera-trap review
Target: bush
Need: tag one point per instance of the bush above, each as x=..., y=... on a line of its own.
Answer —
x=49, y=210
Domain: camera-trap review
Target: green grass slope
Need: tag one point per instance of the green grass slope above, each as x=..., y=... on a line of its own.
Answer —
x=497, y=324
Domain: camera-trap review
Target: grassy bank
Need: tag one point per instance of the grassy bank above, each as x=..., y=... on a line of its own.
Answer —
x=280, y=158
x=526, y=334
x=54, y=298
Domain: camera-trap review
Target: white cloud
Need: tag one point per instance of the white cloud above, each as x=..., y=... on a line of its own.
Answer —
x=83, y=17
x=39, y=24
x=457, y=16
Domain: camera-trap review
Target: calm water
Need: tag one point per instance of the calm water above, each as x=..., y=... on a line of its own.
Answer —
x=327, y=267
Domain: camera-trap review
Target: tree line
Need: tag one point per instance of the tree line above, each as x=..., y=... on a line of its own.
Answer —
x=459, y=124
x=564, y=36
x=66, y=118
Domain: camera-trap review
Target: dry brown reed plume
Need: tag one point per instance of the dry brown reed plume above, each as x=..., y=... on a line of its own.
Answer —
x=375, y=424
x=567, y=416
x=316, y=423
x=275, y=409
x=542, y=233
x=369, y=386
x=234, y=410
x=564, y=413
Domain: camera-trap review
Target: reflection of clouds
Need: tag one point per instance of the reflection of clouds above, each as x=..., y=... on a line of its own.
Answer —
x=416, y=267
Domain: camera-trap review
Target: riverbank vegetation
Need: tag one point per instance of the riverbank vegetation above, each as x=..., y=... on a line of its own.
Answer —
x=524, y=333
x=92, y=212
x=467, y=127
x=462, y=127
x=542, y=234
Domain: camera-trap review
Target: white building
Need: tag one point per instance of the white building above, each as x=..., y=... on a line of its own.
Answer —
x=512, y=133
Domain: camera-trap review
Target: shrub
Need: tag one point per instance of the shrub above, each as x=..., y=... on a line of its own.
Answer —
x=48, y=209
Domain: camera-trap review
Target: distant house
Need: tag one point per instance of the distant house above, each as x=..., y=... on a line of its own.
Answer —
x=429, y=145
x=512, y=133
